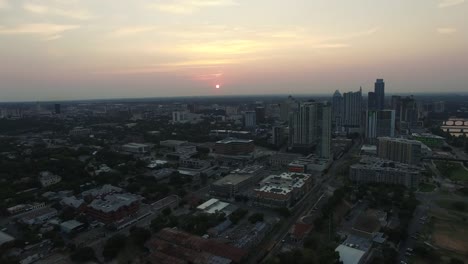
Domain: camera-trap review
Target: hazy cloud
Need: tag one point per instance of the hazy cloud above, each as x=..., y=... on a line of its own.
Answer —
x=448, y=3
x=46, y=10
x=188, y=6
x=4, y=4
x=446, y=30
x=51, y=31
x=132, y=30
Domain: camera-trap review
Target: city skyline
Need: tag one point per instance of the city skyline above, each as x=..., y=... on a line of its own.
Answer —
x=67, y=50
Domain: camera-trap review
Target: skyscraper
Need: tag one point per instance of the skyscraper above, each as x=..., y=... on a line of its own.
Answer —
x=337, y=111
x=352, y=102
x=409, y=113
x=324, y=130
x=379, y=90
x=380, y=123
x=287, y=107
x=371, y=101
x=310, y=126
x=250, y=119
x=301, y=124
x=260, y=114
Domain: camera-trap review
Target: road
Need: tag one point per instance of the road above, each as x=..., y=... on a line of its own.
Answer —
x=413, y=228
x=308, y=202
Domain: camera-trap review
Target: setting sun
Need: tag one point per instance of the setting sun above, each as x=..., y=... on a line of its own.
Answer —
x=217, y=86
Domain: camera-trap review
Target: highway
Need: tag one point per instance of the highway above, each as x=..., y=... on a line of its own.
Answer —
x=308, y=202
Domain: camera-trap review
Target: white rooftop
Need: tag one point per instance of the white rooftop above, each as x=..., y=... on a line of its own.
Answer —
x=349, y=255
x=213, y=206
x=5, y=238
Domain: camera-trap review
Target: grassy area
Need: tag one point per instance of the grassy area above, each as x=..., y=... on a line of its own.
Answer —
x=453, y=170
x=426, y=187
x=459, y=206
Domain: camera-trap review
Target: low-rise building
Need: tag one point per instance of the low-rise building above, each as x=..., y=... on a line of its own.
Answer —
x=368, y=150
x=172, y=144
x=214, y=206
x=24, y=207
x=71, y=226
x=72, y=202
x=47, y=178
x=113, y=207
x=38, y=216
x=237, y=181
x=136, y=148
x=5, y=238
x=175, y=246
x=371, y=169
x=100, y=191
x=309, y=164
x=280, y=160
x=429, y=139
x=80, y=132
x=283, y=190
x=234, y=147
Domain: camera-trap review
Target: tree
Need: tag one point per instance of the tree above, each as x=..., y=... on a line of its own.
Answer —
x=257, y=217
x=166, y=211
x=113, y=246
x=237, y=215
x=139, y=235
x=459, y=206
x=456, y=261
x=284, y=212
x=83, y=254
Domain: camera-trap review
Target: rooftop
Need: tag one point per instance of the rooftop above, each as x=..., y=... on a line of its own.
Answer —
x=105, y=189
x=232, y=179
x=233, y=140
x=283, y=183
x=213, y=206
x=113, y=202
x=71, y=224
x=401, y=140
x=382, y=164
x=136, y=145
x=5, y=238
x=427, y=135
x=349, y=255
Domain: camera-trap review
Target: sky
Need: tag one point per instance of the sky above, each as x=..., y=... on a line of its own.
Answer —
x=87, y=49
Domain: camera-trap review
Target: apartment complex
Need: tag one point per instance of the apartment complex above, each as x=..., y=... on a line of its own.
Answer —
x=283, y=190
x=375, y=170
x=400, y=150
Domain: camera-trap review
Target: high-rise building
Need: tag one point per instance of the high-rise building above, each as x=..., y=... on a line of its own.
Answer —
x=380, y=123
x=401, y=150
x=57, y=109
x=379, y=90
x=260, y=114
x=409, y=113
x=371, y=101
x=302, y=124
x=396, y=105
x=337, y=111
x=352, y=102
x=250, y=119
x=324, y=130
x=277, y=135
x=310, y=126
x=287, y=107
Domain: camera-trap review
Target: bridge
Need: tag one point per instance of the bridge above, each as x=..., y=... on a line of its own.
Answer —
x=458, y=122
